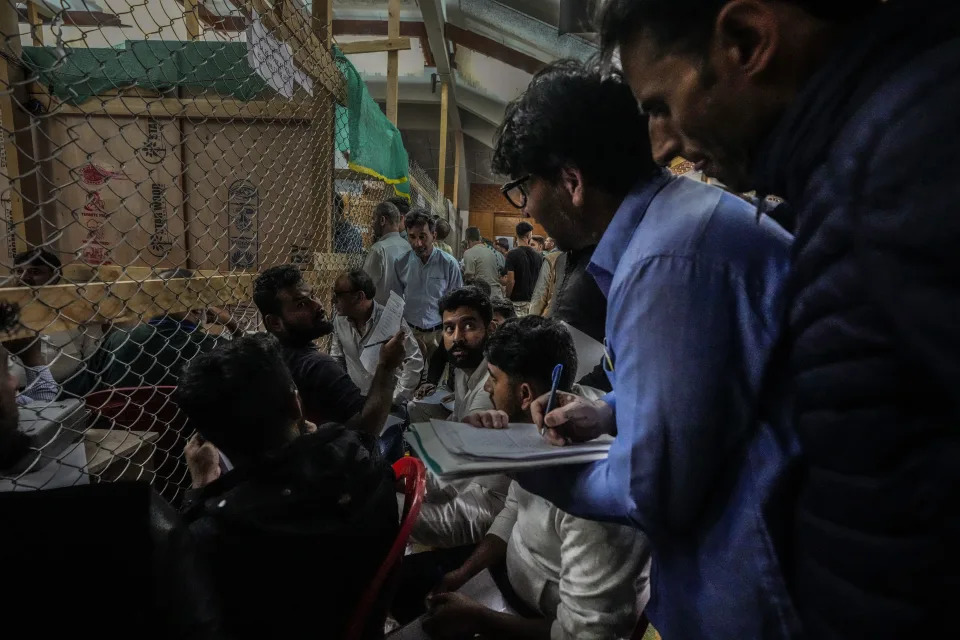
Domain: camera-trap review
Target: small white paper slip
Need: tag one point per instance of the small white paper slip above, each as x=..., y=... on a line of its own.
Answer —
x=370, y=358
x=391, y=421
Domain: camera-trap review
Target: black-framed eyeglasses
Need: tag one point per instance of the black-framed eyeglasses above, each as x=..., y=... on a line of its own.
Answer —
x=515, y=192
x=337, y=294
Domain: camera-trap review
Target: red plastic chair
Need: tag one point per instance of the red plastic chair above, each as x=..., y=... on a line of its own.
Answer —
x=147, y=409
x=414, y=475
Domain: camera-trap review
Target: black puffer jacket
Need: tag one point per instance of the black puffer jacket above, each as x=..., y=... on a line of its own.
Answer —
x=871, y=353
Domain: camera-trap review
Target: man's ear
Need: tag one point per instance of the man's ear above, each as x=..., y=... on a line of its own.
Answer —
x=273, y=323
x=527, y=395
x=572, y=180
x=747, y=33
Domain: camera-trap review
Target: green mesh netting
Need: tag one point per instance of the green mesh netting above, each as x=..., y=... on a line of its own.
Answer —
x=374, y=144
x=156, y=65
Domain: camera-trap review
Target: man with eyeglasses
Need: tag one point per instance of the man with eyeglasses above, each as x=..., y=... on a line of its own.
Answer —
x=693, y=282
x=358, y=314
x=296, y=317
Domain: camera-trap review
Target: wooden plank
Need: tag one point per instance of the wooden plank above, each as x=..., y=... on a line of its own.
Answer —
x=322, y=14
x=18, y=126
x=374, y=46
x=456, y=171
x=61, y=307
x=36, y=24
x=393, y=61
x=444, y=108
x=205, y=108
x=191, y=16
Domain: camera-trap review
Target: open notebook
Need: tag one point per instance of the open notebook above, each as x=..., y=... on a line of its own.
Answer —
x=453, y=449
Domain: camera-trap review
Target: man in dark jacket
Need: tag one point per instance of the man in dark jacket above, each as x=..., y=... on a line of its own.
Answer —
x=848, y=110
x=293, y=519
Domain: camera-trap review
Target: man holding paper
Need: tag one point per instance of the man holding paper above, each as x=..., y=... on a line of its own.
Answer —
x=692, y=278
x=362, y=325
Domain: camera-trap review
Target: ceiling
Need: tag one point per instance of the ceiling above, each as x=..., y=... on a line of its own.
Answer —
x=494, y=48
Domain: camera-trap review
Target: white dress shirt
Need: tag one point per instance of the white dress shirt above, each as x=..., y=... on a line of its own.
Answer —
x=380, y=264
x=349, y=343
x=423, y=284
x=589, y=577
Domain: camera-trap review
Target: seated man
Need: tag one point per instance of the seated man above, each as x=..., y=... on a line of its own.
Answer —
x=357, y=316
x=153, y=353
x=41, y=362
x=583, y=577
x=296, y=317
x=293, y=519
x=14, y=444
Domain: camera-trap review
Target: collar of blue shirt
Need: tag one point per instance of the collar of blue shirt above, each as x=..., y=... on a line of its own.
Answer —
x=618, y=235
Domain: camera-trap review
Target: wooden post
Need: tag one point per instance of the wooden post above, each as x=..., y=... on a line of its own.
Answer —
x=322, y=12
x=36, y=24
x=393, y=61
x=458, y=137
x=191, y=15
x=18, y=135
x=444, y=105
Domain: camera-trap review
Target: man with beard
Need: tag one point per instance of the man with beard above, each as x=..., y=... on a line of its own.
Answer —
x=692, y=279
x=582, y=578
x=425, y=275
x=455, y=515
x=296, y=317
x=382, y=258
x=848, y=110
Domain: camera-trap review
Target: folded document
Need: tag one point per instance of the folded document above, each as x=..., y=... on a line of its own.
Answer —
x=453, y=449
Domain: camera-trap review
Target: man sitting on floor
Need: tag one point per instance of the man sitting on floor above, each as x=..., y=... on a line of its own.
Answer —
x=279, y=501
x=583, y=578
x=358, y=314
x=458, y=513
x=296, y=317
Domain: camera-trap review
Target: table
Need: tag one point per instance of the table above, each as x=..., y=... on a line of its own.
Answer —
x=120, y=454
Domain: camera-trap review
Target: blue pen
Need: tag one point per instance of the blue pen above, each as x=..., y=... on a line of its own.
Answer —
x=557, y=372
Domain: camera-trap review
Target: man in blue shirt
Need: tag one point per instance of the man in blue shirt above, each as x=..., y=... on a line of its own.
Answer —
x=692, y=279
x=424, y=276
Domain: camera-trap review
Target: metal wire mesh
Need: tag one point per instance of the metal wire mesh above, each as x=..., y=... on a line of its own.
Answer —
x=164, y=152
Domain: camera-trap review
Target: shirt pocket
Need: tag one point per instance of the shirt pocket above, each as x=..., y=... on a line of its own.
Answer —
x=436, y=287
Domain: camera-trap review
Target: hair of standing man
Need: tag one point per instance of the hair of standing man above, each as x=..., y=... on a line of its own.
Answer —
x=417, y=217
x=402, y=204
x=37, y=258
x=387, y=210
x=472, y=234
x=523, y=228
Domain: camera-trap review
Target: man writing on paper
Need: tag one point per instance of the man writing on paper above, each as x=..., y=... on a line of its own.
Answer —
x=357, y=330
x=693, y=281
x=294, y=314
x=582, y=578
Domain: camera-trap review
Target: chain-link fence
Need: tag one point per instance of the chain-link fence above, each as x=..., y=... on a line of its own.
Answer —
x=156, y=156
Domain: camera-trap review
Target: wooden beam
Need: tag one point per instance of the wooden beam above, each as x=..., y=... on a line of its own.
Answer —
x=322, y=13
x=61, y=307
x=18, y=135
x=191, y=16
x=393, y=61
x=444, y=113
x=190, y=108
x=457, y=153
x=373, y=46
x=379, y=28
x=36, y=24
